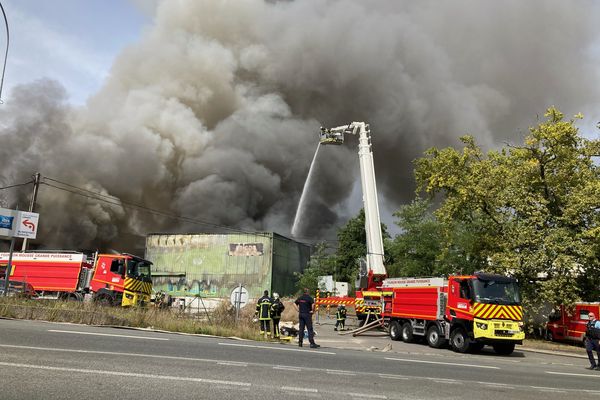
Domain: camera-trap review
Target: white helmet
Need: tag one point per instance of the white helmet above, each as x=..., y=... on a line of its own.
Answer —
x=275, y=296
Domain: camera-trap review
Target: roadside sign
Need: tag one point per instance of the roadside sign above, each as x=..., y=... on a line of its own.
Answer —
x=239, y=297
x=27, y=224
x=21, y=224
x=7, y=222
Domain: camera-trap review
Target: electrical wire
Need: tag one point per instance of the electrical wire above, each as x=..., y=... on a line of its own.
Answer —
x=16, y=185
x=120, y=203
x=110, y=199
x=6, y=53
x=116, y=201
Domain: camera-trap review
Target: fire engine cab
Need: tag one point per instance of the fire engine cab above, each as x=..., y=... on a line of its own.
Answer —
x=568, y=323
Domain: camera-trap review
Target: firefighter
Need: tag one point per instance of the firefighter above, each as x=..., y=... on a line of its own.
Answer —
x=340, y=317
x=263, y=307
x=305, y=305
x=591, y=340
x=277, y=308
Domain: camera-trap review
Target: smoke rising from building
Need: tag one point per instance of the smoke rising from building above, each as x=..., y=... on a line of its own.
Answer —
x=214, y=113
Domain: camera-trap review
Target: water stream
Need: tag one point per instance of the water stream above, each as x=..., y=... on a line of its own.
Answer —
x=300, y=210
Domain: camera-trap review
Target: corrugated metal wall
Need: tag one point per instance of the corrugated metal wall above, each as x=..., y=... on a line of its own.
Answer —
x=289, y=257
x=214, y=264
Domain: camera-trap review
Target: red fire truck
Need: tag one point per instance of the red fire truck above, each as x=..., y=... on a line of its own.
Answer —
x=468, y=311
x=371, y=270
x=569, y=323
x=116, y=279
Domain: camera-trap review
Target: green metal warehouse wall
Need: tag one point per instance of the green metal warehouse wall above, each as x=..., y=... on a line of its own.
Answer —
x=289, y=256
x=213, y=264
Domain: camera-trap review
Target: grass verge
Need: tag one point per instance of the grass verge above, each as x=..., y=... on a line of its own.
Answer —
x=220, y=322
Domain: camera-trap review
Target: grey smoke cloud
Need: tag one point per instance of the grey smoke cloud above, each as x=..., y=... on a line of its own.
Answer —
x=214, y=113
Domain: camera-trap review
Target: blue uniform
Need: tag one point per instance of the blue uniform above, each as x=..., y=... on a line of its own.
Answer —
x=592, y=344
x=305, y=306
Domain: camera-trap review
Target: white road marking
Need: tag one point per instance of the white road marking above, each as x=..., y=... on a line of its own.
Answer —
x=340, y=372
x=233, y=363
x=367, y=396
x=403, y=378
x=114, y=353
x=572, y=374
x=276, y=348
x=441, y=363
x=107, y=334
x=444, y=380
x=548, y=389
x=299, y=389
x=497, y=385
x=286, y=368
x=129, y=374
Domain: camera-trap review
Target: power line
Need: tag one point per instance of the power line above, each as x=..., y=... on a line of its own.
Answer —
x=110, y=199
x=16, y=185
x=118, y=202
x=6, y=53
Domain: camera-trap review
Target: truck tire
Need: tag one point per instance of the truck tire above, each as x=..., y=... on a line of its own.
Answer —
x=104, y=298
x=504, y=349
x=549, y=336
x=434, y=337
x=407, y=332
x=395, y=333
x=460, y=340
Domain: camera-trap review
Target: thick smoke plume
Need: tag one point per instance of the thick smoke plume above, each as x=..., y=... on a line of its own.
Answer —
x=214, y=113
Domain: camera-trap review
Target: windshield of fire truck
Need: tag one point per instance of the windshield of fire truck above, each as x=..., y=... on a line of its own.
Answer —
x=139, y=269
x=496, y=292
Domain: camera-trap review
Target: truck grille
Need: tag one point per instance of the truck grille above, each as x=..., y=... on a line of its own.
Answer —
x=503, y=333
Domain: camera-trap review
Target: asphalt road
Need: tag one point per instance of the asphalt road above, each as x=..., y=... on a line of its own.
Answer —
x=41, y=360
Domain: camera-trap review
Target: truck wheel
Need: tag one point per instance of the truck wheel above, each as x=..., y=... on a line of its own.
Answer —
x=549, y=336
x=407, y=332
x=434, y=338
x=504, y=349
x=460, y=341
x=395, y=333
x=104, y=299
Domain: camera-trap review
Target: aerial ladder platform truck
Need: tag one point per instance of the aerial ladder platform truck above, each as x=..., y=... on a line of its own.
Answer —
x=372, y=272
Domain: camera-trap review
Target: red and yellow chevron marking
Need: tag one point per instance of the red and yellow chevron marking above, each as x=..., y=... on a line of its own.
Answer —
x=489, y=311
x=359, y=305
x=135, y=285
x=328, y=301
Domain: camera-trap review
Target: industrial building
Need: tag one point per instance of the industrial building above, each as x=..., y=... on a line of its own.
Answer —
x=210, y=266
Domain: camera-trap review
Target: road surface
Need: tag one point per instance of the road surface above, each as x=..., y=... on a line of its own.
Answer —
x=40, y=360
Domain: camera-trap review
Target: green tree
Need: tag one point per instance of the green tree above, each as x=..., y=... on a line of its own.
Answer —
x=425, y=247
x=534, y=208
x=417, y=248
x=352, y=245
x=322, y=262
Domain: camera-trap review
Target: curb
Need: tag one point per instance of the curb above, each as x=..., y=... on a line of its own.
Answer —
x=554, y=352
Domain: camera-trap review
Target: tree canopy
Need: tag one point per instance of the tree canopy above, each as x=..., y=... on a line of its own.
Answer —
x=533, y=208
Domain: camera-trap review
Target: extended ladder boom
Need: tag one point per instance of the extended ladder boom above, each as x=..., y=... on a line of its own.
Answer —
x=369, y=189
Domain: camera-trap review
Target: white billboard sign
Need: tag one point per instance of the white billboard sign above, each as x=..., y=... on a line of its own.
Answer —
x=7, y=222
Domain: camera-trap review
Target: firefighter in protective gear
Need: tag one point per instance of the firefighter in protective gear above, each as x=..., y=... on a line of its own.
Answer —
x=277, y=308
x=263, y=308
x=340, y=316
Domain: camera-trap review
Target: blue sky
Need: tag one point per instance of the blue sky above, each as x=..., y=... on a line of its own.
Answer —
x=72, y=41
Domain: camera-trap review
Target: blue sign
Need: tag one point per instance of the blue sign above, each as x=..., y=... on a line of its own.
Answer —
x=6, y=222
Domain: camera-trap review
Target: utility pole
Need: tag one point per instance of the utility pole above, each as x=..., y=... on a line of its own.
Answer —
x=36, y=185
